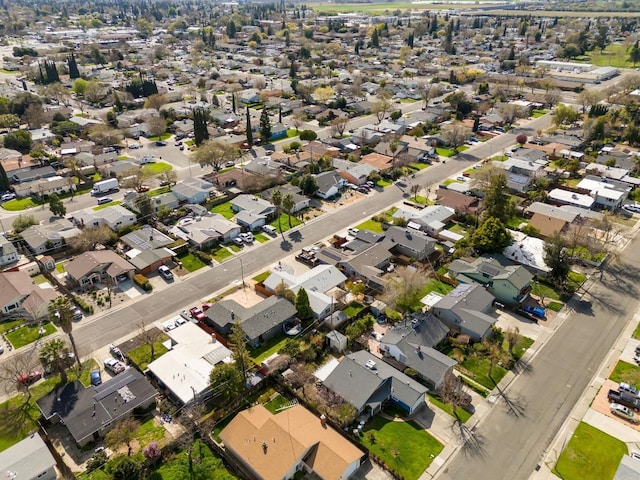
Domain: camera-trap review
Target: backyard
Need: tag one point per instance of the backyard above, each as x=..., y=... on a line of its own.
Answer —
x=404, y=447
x=590, y=455
x=269, y=348
x=224, y=209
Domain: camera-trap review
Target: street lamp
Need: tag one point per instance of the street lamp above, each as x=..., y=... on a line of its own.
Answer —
x=242, y=274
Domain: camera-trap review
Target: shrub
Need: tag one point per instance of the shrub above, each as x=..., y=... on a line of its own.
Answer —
x=204, y=257
x=98, y=460
x=142, y=282
x=86, y=308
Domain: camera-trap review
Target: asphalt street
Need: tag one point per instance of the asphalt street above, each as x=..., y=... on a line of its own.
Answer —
x=514, y=436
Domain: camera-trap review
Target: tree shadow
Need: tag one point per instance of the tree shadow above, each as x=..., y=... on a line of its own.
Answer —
x=286, y=245
x=472, y=441
x=296, y=236
x=516, y=406
x=17, y=418
x=522, y=367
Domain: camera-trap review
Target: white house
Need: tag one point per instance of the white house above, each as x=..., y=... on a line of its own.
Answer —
x=114, y=216
x=29, y=459
x=8, y=252
x=193, y=190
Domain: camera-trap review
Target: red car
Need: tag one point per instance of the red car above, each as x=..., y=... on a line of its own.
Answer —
x=197, y=313
x=29, y=378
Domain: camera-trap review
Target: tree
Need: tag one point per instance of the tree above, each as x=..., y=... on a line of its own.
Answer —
x=381, y=107
x=34, y=115
x=226, y=382
x=56, y=206
x=521, y=139
x=414, y=189
x=497, y=202
x=215, y=153
x=23, y=222
x=634, y=56
x=155, y=101
x=491, y=236
x=54, y=356
x=288, y=204
x=276, y=199
x=90, y=237
x=122, y=433
x=303, y=307
x=157, y=126
x=200, y=130
x=9, y=120
x=404, y=290
x=510, y=112
x=61, y=314
x=73, y=67
x=239, y=351
x=135, y=177
x=4, y=180
x=338, y=126
x=94, y=92
x=149, y=336
x=556, y=257
x=152, y=452
x=308, y=135
x=297, y=119
x=588, y=98
x=127, y=469
x=105, y=135
x=20, y=141
x=265, y=126
x=308, y=185
x=249, y=130
x=169, y=177
x=145, y=28
x=453, y=393
x=456, y=136
x=602, y=40
x=565, y=114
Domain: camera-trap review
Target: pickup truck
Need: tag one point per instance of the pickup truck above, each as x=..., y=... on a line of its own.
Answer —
x=624, y=398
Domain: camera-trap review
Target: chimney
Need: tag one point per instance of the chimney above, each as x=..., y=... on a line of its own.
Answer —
x=213, y=338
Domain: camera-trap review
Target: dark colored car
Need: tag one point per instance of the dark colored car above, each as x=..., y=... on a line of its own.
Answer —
x=197, y=313
x=161, y=143
x=96, y=379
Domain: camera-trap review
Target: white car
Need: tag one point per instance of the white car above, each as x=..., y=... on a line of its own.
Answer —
x=135, y=146
x=113, y=366
x=630, y=207
x=8, y=196
x=247, y=237
x=623, y=412
x=353, y=231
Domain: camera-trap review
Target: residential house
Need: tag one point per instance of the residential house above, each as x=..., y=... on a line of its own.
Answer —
x=432, y=219
x=628, y=469
x=368, y=383
x=147, y=249
x=89, y=413
x=203, y=231
x=44, y=186
x=457, y=201
x=357, y=173
x=184, y=370
x=317, y=282
x=19, y=292
x=252, y=212
x=409, y=242
x=260, y=322
x=560, y=196
x=510, y=284
x=31, y=174
x=522, y=173
x=377, y=160
x=300, y=202
x=263, y=167
x=8, y=252
x=465, y=309
x=606, y=193
x=329, y=184
x=193, y=190
x=29, y=459
x=49, y=235
x=368, y=263
x=410, y=343
x=249, y=96
x=99, y=266
x=114, y=216
x=290, y=441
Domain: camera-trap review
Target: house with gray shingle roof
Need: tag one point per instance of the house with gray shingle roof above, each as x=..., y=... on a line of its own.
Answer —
x=98, y=266
x=466, y=310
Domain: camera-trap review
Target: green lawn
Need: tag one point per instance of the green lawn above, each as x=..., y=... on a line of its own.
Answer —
x=431, y=286
x=141, y=356
x=261, y=237
x=353, y=309
x=284, y=223
x=9, y=324
x=555, y=306
x=539, y=113
x=39, y=279
x=87, y=366
x=636, y=332
x=463, y=415
x=615, y=55
x=445, y=152
x=60, y=266
x=26, y=335
x=590, y=455
x=371, y=225
x=100, y=207
x=267, y=349
x=404, y=446
x=262, y=276
x=419, y=165
x=164, y=136
x=545, y=290
x=515, y=221
x=157, y=168
x=576, y=279
x=150, y=432
x=220, y=253
x=191, y=262
x=224, y=209
x=276, y=403
x=384, y=182
x=479, y=367
x=158, y=191
x=459, y=229
x=234, y=247
x=19, y=204
x=626, y=372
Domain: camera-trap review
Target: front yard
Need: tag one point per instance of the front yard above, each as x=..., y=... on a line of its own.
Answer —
x=626, y=372
x=141, y=355
x=405, y=447
x=590, y=455
x=190, y=262
x=26, y=335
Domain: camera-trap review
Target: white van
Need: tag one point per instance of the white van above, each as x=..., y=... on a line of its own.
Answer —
x=103, y=200
x=270, y=230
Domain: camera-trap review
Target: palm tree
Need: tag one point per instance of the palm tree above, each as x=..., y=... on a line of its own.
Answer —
x=276, y=199
x=55, y=355
x=61, y=313
x=288, y=204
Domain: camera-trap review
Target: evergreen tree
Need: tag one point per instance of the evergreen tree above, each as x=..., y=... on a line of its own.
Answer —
x=200, y=131
x=265, y=126
x=233, y=102
x=249, y=130
x=4, y=181
x=634, y=56
x=292, y=69
x=231, y=29
x=375, y=40
x=57, y=206
x=303, y=307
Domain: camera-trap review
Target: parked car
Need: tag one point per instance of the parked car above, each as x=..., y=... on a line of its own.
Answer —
x=135, y=146
x=238, y=241
x=629, y=207
x=1, y=349
x=623, y=398
x=535, y=311
x=103, y=200
x=116, y=352
x=77, y=314
x=161, y=143
x=623, y=412
x=7, y=196
x=178, y=143
x=30, y=377
x=247, y=237
x=96, y=379
x=625, y=387
x=270, y=230
x=230, y=164
x=114, y=366
x=165, y=272
x=353, y=231
x=197, y=313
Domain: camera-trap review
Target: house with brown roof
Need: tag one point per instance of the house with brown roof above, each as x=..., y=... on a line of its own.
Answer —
x=377, y=160
x=456, y=200
x=19, y=292
x=275, y=447
x=547, y=225
x=97, y=267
